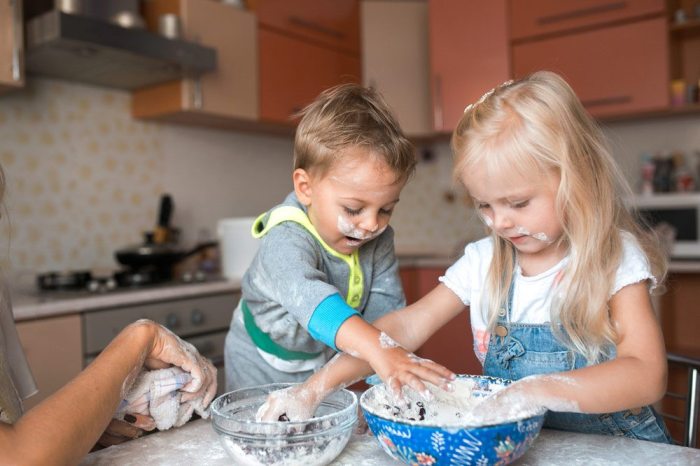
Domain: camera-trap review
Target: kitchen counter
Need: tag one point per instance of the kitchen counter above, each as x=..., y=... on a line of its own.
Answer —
x=196, y=443
x=34, y=305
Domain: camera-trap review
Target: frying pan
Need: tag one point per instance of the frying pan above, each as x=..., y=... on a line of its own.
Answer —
x=156, y=255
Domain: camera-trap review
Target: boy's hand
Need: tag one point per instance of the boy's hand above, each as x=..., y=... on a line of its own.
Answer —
x=296, y=403
x=397, y=367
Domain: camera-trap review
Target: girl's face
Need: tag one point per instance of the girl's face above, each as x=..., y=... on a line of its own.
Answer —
x=520, y=210
x=352, y=202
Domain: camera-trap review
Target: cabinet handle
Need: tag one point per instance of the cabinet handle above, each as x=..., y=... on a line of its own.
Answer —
x=614, y=100
x=18, y=40
x=197, y=95
x=438, y=119
x=581, y=12
x=302, y=23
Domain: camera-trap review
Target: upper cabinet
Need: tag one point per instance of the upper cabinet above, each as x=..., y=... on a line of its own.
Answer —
x=395, y=59
x=615, y=55
x=225, y=97
x=530, y=18
x=469, y=54
x=304, y=47
x=11, y=45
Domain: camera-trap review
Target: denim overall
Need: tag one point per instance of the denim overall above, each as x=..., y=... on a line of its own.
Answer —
x=518, y=350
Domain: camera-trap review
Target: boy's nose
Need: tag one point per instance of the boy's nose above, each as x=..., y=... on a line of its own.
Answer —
x=370, y=223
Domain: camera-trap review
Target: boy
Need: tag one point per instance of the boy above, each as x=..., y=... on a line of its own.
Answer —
x=326, y=259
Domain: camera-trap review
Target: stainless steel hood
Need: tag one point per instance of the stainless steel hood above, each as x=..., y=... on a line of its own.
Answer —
x=93, y=51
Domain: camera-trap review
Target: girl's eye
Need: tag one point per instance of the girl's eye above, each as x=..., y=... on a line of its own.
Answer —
x=520, y=205
x=352, y=212
x=482, y=206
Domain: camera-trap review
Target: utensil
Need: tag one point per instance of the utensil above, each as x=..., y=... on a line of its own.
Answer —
x=161, y=256
x=165, y=211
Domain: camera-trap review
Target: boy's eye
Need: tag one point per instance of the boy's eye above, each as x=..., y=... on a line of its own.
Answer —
x=350, y=211
x=386, y=211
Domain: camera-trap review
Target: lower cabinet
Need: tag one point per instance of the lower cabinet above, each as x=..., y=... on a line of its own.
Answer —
x=452, y=345
x=53, y=347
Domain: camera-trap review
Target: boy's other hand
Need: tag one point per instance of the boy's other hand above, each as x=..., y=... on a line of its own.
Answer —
x=297, y=403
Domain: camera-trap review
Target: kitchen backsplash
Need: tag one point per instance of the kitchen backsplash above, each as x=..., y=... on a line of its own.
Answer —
x=83, y=179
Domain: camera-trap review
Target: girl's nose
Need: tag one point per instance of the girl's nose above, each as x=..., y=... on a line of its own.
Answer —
x=501, y=222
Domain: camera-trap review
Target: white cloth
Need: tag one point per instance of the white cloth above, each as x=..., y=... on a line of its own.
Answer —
x=532, y=295
x=157, y=394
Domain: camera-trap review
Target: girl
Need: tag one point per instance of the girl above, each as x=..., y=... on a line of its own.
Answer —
x=558, y=294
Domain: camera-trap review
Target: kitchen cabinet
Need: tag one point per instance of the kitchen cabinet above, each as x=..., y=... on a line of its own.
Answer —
x=531, y=18
x=227, y=97
x=622, y=69
x=680, y=323
x=395, y=59
x=11, y=45
x=452, y=345
x=53, y=347
x=685, y=48
x=303, y=51
x=469, y=54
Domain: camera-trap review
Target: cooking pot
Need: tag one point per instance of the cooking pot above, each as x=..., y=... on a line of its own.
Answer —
x=150, y=254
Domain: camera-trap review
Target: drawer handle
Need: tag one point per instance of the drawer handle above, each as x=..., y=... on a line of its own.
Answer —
x=301, y=22
x=615, y=100
x=594, y=10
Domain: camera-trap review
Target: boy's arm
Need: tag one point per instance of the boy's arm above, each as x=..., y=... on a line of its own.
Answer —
x=410, y=327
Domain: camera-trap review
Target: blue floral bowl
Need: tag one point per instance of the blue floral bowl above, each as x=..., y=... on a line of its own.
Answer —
x=425, y=443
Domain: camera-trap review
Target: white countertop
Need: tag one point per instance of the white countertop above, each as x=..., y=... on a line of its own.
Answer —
x=33, y=305
x=197, y=444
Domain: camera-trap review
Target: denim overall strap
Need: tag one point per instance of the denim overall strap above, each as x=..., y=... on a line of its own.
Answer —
x=517, y=350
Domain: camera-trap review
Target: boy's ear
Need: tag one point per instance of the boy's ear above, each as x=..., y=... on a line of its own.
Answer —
x=302, y=185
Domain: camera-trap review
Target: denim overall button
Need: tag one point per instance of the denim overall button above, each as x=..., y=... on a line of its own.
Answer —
x=501, y=331
x=501, y=312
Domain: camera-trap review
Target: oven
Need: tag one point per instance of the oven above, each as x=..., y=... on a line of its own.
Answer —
x=201, y=320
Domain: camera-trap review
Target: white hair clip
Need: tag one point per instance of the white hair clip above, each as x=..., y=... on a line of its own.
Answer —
x=487, y=94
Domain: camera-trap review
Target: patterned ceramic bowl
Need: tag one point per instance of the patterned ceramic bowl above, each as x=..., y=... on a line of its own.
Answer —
x=424, y=443
x=315, y=442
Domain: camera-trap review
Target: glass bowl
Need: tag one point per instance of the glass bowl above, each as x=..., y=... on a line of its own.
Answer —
x=314, y=442
x=429, y=442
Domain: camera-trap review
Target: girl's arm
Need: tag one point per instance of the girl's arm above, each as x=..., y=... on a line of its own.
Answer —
x=63, y=428
x=410, y=327
x=636, y=377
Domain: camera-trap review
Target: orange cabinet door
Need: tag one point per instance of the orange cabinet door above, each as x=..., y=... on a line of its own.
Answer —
x=333, y=23
x=468, y=55
x=615, y=70
x=11, y=46
x=293, y=72
x=537, y=17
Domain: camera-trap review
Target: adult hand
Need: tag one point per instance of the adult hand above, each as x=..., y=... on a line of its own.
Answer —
x=296, y=403
x=133, y=426
x=168, y=349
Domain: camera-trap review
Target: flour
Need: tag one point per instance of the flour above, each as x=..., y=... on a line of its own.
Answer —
x=455, y=408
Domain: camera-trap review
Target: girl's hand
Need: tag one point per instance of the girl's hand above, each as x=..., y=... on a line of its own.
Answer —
x=167, y=349
x=397, y=367
x=296, y=403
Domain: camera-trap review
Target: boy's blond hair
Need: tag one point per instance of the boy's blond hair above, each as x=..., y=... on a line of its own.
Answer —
x=538, y=127
x=351, y=116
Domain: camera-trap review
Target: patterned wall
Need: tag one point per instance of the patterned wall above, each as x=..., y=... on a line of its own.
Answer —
x=81, y=175
x=83, y=178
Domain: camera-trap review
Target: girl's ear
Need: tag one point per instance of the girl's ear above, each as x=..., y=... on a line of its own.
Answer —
x=302, y=186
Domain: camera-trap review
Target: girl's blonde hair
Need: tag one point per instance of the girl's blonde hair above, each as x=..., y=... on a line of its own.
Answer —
x=538, y=127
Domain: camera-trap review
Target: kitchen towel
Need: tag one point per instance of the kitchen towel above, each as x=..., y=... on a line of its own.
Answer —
x=157, y=394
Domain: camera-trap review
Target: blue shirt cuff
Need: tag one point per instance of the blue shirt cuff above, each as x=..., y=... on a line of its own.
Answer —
x=327, y=318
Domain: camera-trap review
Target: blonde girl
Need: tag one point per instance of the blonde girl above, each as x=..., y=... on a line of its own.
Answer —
x=558, y=293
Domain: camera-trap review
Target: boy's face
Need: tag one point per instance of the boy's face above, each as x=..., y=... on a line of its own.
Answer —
x=352, y=202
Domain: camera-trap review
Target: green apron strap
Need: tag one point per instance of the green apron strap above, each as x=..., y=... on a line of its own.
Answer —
x=263, y=341
x=290, y=213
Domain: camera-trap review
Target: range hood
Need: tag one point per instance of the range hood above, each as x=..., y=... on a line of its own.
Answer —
x=94, y=51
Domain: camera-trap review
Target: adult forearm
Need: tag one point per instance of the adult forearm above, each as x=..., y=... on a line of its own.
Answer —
x=64, y=427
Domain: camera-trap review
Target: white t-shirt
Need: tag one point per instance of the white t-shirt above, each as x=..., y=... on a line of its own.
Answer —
x=532, y=295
